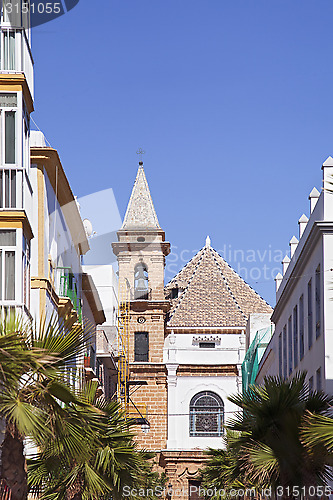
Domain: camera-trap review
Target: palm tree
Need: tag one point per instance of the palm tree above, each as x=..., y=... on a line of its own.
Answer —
x=33, y=364
x=270, y=445
x=318, y=430
x=224, y=470
x=93, y=454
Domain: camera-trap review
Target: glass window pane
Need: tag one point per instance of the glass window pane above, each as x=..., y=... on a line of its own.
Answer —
x=1, y=189
x=295, y=326
x=9, y=50
x=7, y=190
x=206, y=415
x=285, y=360
x=318, y=300
x=0, y=274
x=310, y=321
x=10, y=137
x=9, y=275
x=141, y=347
x=8, y=100
x=290, y=346
x=7, y=237
x=301, y=328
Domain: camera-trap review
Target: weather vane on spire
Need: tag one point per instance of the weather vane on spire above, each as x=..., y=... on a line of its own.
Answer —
x=140, y=152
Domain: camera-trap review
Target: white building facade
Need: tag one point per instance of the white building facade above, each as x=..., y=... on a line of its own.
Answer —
x=16, y=104
x=208, y=375
x=106, y=283
x=203, y=352
x=303, y=315
x=42, y=237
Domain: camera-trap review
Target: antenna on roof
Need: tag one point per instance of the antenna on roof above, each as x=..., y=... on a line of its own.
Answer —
x=208, y=241
x=140, y=152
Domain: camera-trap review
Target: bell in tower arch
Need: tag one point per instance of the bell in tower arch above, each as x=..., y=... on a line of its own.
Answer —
x=141, y=282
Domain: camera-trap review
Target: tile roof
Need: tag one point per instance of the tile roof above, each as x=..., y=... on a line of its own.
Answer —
x=212, y=294
x=140, y=213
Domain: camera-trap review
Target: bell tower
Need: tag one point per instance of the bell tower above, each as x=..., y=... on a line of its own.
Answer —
x=141, y=250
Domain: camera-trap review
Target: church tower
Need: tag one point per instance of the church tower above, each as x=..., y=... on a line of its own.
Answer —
x=141, y=250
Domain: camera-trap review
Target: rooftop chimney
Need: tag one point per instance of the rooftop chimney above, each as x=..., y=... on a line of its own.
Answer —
x=293, y=245
x=302, y=222
x=313, y=197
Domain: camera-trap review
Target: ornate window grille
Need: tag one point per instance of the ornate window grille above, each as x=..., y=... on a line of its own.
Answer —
x=206, y=414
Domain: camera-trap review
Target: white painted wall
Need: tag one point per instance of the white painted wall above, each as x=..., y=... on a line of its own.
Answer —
x=58, y=242
x=183, y=349
x=315, y=247
x=255, y=323
x=178, y=415
x=106, y=282
x=230, y=349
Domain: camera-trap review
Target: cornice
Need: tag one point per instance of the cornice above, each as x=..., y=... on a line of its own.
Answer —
x=318, y=228
x=41, y=283
x=17, y=82
x=134, y=246
x=48, y=159
x=149, y=305
x=17, y=219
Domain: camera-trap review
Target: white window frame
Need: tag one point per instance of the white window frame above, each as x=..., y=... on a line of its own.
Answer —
x=18, y=269
x=18, y=110
x=26, y=262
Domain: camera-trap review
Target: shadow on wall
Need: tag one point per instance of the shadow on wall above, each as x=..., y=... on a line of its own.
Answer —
x=329, y=386
x=100, y=250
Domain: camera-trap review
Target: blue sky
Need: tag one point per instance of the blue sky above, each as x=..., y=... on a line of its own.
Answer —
x=231, y=100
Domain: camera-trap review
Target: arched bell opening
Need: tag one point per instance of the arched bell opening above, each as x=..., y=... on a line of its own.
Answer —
x=141, y=282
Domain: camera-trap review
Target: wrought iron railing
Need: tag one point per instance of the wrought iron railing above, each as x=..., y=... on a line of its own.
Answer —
x=68, y=287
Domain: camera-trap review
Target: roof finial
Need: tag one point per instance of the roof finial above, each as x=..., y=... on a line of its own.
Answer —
x=140, y=152
x=208, y=241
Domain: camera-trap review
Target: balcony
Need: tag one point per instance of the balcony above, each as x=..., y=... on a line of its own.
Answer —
x=67, y=287
x=107, y=346
x=16, y=56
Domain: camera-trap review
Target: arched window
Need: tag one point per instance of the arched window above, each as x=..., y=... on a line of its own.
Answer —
x=206, y=414
x=141, y=282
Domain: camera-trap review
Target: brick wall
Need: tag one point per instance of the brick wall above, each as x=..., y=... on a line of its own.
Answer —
x=154, y=395
x=153, y=324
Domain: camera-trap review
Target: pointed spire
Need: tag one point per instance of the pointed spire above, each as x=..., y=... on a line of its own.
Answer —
x=293, y=245
x=328, y=162
x=140, y=213
x=285, y=263
x=313, y=197
x=208, y=241
x=302, y=222
x=278, y=280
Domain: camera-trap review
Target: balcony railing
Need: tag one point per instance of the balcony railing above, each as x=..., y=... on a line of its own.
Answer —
x=68, y=288
x=16, y=56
